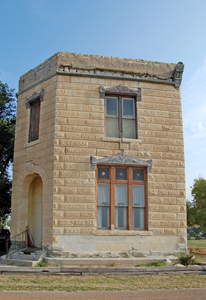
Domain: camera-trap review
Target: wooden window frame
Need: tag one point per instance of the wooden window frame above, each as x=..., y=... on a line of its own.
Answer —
x=120, y=113
x=34, y=120
x=31, y=103
x=130, y=183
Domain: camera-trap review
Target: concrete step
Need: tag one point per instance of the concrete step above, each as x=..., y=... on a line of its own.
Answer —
x=22, y=257
x=16, y=262
x=19, y=259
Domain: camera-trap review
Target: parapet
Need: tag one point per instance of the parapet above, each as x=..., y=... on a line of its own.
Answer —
x=75, y=64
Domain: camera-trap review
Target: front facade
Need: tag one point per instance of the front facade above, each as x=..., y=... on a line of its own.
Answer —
x=99, y=156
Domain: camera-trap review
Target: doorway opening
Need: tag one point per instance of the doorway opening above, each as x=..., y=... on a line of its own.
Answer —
x=34, y=220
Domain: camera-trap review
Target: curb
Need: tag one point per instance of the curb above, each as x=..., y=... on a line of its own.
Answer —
x=80, y=271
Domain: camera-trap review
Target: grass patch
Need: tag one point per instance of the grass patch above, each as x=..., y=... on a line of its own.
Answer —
x=196, y=243
x=100, y=283
x=188, y=259
x=42, y=264
x=201, y=258
x=156, y=263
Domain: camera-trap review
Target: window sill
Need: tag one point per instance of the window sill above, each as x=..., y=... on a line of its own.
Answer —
x=122, y=232
x=121, y=140
x=32, y=143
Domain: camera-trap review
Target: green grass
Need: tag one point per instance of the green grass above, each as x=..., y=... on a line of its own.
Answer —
x=201, y=258
x=196, y=243
x=42, y=264
x=100, y=283
x=156, y=263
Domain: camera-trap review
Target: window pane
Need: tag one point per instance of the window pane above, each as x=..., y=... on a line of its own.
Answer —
x=138, y=175
x=112, y=127
x=138, y=195
x=121, y=217
x=128, y=108
x=103, y=173
x=121, y=195
x=111, y=107
x=129, y=129
x=121, y=174
x=103, y=194
x=138, y=218
x=103, y=217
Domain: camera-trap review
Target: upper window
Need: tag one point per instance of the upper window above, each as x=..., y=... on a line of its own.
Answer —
x=120, y=117
x=121, y=198
x=120, y=111
x=34, y=103
x=34, y=121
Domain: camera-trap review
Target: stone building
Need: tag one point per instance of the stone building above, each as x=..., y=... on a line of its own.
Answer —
x=99, y=156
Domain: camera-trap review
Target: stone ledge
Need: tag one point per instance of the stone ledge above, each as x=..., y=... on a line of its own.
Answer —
x=26, y=145
x=121, y=232
x=121, y=140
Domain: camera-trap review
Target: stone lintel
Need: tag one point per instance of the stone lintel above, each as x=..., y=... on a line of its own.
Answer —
x=121, y=159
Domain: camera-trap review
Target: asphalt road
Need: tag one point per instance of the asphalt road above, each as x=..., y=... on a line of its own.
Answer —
x=186, y=294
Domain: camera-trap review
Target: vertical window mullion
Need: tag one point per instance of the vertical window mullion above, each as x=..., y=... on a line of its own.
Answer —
x=120, y=118
x=130, y=199
x=113, y=197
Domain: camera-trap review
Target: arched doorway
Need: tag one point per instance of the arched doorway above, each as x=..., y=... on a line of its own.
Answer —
x=35, y=210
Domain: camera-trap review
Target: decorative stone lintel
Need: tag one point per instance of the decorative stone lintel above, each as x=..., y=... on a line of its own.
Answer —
x=121, y=159
x=177, y=77
x=118, y=90
x=35, y=96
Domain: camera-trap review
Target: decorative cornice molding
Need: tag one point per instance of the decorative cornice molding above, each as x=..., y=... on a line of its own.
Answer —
x=118, y=90
x=95, y=72
x=121, y=159
x=35, y=96
x=177, y=78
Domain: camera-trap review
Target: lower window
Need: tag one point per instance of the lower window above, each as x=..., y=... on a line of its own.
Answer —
x=121, y=198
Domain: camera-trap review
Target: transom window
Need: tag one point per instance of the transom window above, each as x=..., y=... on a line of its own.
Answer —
x=120, y=117
x=121, y=198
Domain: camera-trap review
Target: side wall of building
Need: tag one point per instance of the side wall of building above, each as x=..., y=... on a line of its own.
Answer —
x=34, y=159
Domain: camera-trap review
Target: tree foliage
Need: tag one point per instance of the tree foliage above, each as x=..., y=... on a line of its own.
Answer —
x=7, y=130
x=196, y=210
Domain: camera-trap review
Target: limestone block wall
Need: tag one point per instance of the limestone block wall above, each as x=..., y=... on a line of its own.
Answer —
x=80, y=133
x=35, y=158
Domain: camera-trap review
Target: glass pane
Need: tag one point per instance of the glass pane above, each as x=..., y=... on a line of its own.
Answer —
x=121, y=174
x=121, y=217
x=103, y=194
x=111, y=107
x=129, y=129
x=138, y=175
x=138, y=218
x=128, y=109
x=138, y=195
x=103, y=217
x=103, y=173
x=112, y=127
x=121, y=195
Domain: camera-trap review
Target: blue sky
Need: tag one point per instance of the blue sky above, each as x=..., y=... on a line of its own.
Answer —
x=157, y=30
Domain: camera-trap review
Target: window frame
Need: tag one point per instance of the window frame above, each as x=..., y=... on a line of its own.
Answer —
x=34, y=120
x=112, y=190
x=120, y=117
x=31, y=103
